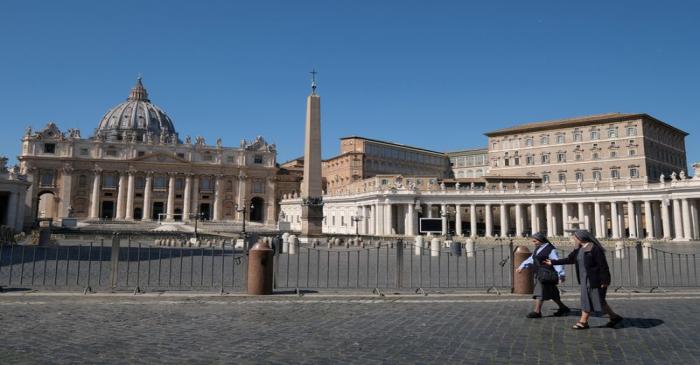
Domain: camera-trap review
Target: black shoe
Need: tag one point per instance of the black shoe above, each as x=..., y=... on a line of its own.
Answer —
x=534, y=315
x=562, y=312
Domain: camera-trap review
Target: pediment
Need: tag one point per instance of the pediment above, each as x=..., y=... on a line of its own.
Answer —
x=160, y=158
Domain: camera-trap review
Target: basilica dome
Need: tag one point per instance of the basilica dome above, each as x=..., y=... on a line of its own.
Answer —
x=136, y=119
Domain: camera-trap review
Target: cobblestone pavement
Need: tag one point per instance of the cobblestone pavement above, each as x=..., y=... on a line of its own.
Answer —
x=661, y=328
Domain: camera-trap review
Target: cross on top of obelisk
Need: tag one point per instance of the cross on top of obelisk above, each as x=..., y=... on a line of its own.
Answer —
x=313, y=81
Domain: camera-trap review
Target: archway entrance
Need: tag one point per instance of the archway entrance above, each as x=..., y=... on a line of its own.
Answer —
x=158, y=209
x=138, y=213
x=257, y=209
x=178, y=214
x=107, y=211
x=205, y=211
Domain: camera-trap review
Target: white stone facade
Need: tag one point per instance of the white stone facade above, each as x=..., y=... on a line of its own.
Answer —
x=135, y=168
x=662, y=210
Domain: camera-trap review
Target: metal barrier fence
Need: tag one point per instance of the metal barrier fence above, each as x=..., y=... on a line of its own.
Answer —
x=379, y=265
x=113, y=266
x=385, y=265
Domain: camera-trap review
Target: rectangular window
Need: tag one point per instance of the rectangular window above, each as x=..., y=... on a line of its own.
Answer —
x=258, y=159
x=545, y=178
x=530, y=160
x=208, y=157
x=577, y=137
x=560, y=138
x=181, y=155
x=634, y=173
x=578, y=157
x=614, y=174
x=528, y=142
x=612, y=133
x=84, y=152
x=258, y=187
x=562, y=178
x=632, y=152
x=631, y=131
x=579, y=176
x=545, y=158
x=141, y=153
x=613, y=154
x=179, y=184
x=596, y=175
x=544, y=140
x=50, y=148
x=111, y=153
x=595, y=135
x=140, y=182
x=229, y=159
x=160, y=182
x=561, y=157
x=110, y=181
x=46, y=178
x=205, y=184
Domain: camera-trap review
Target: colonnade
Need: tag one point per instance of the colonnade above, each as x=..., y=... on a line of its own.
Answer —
x=183, y=199
x=615, y=218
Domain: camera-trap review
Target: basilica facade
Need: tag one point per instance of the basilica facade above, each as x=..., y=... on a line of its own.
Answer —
x=135, y=167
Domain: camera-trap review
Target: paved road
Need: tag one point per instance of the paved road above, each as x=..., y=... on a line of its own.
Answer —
x=409, y=330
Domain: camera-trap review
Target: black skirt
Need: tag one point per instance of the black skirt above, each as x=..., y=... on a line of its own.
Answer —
x=545, y=291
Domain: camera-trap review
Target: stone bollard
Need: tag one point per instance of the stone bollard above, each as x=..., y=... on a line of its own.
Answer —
x=646, y=250
x=435, y=247
x=418, y=246
x=260, y=269
x=470, y=247
x=523, y=282
x=619, y=250
x=293, y=244
x=285, y=242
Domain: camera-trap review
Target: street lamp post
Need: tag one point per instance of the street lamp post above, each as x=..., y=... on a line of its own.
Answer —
x=357, y=219
x=243, y=210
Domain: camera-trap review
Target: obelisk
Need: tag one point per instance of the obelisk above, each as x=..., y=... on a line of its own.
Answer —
x=311, y=192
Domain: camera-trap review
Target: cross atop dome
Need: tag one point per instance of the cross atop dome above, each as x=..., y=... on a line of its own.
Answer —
x=138, y=92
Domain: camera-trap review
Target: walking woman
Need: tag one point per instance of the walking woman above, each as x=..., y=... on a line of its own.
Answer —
x=593, y=274
x=546, y=277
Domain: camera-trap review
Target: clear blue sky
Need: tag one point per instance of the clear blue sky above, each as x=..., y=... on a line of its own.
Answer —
x=426, y=73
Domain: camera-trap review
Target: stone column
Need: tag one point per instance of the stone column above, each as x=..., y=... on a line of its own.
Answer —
x=129, y=215
x=217, y=198
x=66, y=191
x=504, y=220
x=599, y=220
x=564, y=218
x=582, y=217
x=443, y=218
x=677, y=220
x=648, y=221
x=518, y=220
x=147, y=193
x=694, y=218
x=550, y=220
x=665, y=220
x=379, y=219
x=534, y=219
x=121, y=195
x=389, y=221
x=489, y=220
x=615, y=219
x=472, y=219
x=430, y=210
x=95, y=197
x=170, y=212
x=241, y=199
x=410, y=220
x=631, y=219
x=187, y=199
x=687, y=227
x=194, y=207
x=458, y=220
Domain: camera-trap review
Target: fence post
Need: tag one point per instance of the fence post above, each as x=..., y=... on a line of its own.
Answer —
x=399, y=263
x=511, y=257
x=114, y=275
x=640, y=264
